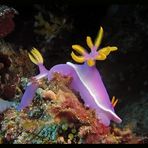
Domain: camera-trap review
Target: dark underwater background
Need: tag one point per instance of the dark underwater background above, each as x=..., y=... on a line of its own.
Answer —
x=124, y=73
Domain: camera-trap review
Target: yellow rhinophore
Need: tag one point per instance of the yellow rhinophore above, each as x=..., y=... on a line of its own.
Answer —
x=35, y=56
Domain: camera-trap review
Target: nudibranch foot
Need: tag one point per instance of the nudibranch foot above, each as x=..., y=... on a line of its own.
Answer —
x=28, y=96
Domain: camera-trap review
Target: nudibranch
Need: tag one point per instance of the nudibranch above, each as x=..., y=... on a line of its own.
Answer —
x=85, y=78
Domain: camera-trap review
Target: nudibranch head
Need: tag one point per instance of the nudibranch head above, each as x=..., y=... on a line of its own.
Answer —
x=36, y=57
x=94, y=55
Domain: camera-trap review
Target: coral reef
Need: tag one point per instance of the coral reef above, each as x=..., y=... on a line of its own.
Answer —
x=4, y=105
x=58, y=115
x=14, y=65
x=6, y=20
x=49, y=25
x=19, y=62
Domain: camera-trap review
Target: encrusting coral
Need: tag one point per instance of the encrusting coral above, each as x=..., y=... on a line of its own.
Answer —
x=59, y=119
x=13, y=66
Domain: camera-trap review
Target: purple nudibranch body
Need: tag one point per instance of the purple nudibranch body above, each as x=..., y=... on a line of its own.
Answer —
x=85, y=79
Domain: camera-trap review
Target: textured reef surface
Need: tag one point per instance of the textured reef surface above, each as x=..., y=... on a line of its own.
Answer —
x=58, y=115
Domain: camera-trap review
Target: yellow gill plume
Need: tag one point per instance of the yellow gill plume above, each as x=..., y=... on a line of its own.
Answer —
x=104, y=52
x=89, y=42
x=79, y=59
x=99, y=38
x=80, y=50
x=101, y=54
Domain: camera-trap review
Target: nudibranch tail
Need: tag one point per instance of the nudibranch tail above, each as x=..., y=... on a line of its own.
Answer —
x=94, y=55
